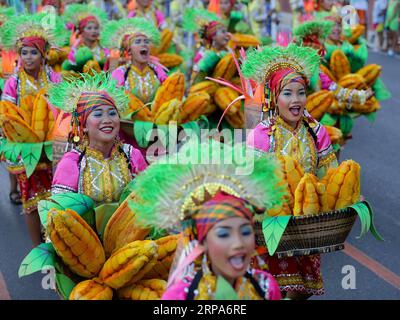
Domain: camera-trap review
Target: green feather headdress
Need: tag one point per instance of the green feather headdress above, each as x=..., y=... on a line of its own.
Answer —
x=6, y=13
x=114, y=32
x=322, y=29
x=74, y=13
x=194, y=19
x=48, y=27
x=65, y=95
x=261, y=64
x=171, y=189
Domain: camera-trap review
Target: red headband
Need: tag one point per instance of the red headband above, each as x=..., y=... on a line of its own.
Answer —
x=35, y=42
x=84, y=22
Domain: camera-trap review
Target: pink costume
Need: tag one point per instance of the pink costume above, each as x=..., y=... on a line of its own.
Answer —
x=266, y=287
x=12, y=88
x=101, y=179
x=156, y=15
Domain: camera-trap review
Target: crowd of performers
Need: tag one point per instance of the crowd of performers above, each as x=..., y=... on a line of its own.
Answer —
x=92, y=72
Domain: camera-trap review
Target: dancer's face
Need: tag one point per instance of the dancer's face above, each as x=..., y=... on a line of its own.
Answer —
x=144, y=3
x=222, y=37
x=230, y=244
x=225, y=6
x=31, y=58
x=102, y=124
x=336, y=32
x=327, y=4
x=140, y=49
x=291, y=103
x=91, y=31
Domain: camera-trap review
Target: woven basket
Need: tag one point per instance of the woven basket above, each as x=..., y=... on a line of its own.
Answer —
x=313, y=234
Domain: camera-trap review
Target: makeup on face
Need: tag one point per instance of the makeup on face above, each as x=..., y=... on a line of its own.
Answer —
x=230, y=244
x=102, y=124
x=31, y=58
x=140, y=49
x=91, y=31
x=291, y=103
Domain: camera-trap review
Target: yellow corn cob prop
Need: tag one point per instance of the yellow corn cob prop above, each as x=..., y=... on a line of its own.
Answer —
x=335, y=134
x=350, y=189
x=225, y=68
x=204, y=86
x=224, y=96
x=239, y=40
x=371, y=105
x=40, y=116
x=129, y=264
x=26, y=104
x=151, y=289
x=91, y=67
x=327, y=72
x=91, y=290
x=170, y=60
x=122, y=229
x=356, y=32
x=306, y=199
x=75, y=242
x=370, y=73
x=166, y=39
x=353, y=81
x=8, y=108
x=194, y=106
x=17, y=130
x=336, y=107
x=210, y=108
x=339, y=64
x=166, y=251
x=286, y=208
x=168, y=112
x=319, y=102
x=236, y=120
x=50, y=127
x=52, y=57
x=135, y=104
x=172, y=88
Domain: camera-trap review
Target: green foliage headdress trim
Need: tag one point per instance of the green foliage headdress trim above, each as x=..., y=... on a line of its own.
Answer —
x=65, y=95
x=322, y=29
x=5, y=14
x=261, y=64
x=74, y=13
x=114, y=32
x=171, y=189
x=194, y=19
x=47, y=26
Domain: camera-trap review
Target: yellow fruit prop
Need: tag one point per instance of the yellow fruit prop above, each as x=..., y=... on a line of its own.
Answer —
x=91, y=290
x=172, y=88
x=17, y=130
x=356, y=32
x=370, y=73
x=239, y=40
x=194, y=106
x=142, y=112
x=40, y=116
x=319, y=102
x=165, y=255
x=306, y=198
x=327, y=72
x=91, y=67
x=353, y=81
x=225, y=68
x=224, y=96
x=339, y=64
x=371, y=105
x=75, y=242
x=166, y=39
x=168, y=112
x=335, y=134
x=122, y=229
x=207, y=86
x=129, y=264
x=170, y=60
x=151, y=289
x=236, y=120
x=8, y=108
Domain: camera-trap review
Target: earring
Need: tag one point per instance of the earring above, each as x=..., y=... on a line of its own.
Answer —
x=204, y=264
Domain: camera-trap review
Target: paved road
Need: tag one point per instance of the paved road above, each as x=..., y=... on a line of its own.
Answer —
x=375, y=146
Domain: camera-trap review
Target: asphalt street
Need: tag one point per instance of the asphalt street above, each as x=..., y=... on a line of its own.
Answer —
x=375, y=265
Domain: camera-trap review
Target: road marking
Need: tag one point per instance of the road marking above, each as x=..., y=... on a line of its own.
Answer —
x=4, y=295
x=380, y=270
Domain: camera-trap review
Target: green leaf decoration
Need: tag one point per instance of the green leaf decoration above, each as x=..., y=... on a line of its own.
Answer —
x=12, y=151
x=64, y=285
x=191, y=127
x=127, y=191
x=336, y=147
x=103, y=213
x=380, y=90
x=31, y=153
x=346, y=124
x=141, y=131
x=365, y=214
x=41, y=256
x=328, y=119
x=371, y=116
x=273, y=229
x=224, y=290
x=44, y=207
x=163, y=135
x=48, y=149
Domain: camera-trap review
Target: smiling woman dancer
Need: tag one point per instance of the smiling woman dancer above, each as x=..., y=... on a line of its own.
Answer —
x=99, y=166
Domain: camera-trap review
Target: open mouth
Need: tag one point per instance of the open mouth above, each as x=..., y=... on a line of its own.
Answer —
x=295, y=110
x=237, y=262
x=107, y=130
x=144, y=52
